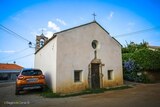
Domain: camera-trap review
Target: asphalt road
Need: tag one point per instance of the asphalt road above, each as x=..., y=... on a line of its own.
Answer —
x=141, y=95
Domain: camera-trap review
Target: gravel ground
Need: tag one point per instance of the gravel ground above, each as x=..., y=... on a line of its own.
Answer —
x=141, y=95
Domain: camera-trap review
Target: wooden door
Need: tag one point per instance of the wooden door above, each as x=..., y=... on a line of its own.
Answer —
x=95, y=79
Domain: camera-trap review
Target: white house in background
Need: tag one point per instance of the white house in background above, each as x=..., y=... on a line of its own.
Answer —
x=154, y=48
x=9, y=71
x=81, y=57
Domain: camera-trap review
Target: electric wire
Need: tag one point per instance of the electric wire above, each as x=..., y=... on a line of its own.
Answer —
x=21, y=37
x=14, y=33
x=18, y=52
x=137, y=32
x=20, y=57
x=155, y=41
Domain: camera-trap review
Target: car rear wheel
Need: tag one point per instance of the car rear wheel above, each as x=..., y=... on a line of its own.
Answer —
x=42, y=89
x=17, y=92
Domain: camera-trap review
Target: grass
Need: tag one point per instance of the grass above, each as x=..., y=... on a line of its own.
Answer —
x=49, y=93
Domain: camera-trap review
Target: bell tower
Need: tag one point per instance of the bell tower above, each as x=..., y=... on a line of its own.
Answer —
x=40, y=41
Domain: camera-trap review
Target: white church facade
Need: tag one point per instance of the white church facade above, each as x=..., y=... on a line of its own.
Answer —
x=79, y=58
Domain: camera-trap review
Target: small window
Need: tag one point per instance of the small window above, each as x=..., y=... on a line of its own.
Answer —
x=94, y=44
x=110, y=74
x=41, y=42
x=77, y=75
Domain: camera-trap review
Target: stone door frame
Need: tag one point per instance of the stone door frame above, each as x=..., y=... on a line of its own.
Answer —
x=95, y=61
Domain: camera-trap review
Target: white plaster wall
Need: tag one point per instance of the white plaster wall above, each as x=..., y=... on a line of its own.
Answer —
x=45, y=59
x=74, y=52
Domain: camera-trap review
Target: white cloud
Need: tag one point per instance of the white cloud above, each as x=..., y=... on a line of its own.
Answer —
x=46, y=32
x=7, y=51
x=61, y=21
x=130, y=23
x=15, y=18
x=49, y=34
x=53, y=26
x=81, y=18
x=19, y=16
x=130, y=26
x=110, y=16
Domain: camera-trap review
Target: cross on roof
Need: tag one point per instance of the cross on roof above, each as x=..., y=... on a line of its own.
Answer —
x=94, y=15
x=42, y=31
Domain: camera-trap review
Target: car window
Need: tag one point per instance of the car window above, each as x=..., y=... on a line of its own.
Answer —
x=31, y=72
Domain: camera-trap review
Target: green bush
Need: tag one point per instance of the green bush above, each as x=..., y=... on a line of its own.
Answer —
x=139, y=58
x=142, y=55
x=145, y=79
x=147, y=59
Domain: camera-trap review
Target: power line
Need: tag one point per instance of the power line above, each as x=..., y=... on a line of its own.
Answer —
x=155, y=41
x=20, y=51
x=14, y=33
x=20, y=57
x=137, y=32
x=7, y=29
x=9, y=32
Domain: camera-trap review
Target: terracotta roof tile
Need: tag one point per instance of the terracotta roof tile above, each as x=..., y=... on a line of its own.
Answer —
x=10, y=67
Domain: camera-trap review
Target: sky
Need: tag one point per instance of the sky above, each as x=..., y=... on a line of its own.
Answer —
x=126, y=20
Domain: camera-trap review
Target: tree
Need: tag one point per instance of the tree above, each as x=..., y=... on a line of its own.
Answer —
x=142, y=55
x=139, y=58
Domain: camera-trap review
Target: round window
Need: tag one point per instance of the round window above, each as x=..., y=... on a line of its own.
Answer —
x=94, y=44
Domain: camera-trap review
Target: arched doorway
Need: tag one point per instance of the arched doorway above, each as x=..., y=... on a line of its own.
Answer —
x=95, y=77
x=95, y=74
